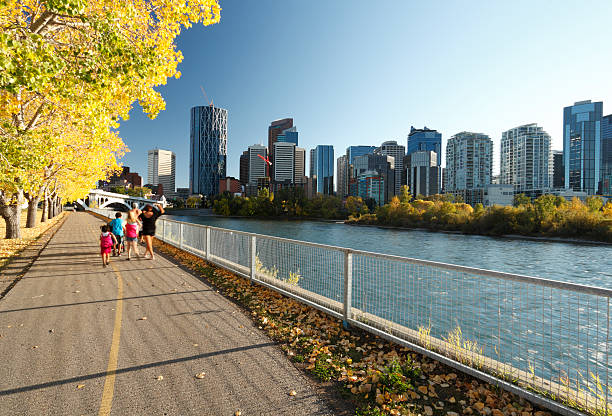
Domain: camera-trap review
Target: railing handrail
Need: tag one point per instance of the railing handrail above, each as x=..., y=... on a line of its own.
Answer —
x=538, y=281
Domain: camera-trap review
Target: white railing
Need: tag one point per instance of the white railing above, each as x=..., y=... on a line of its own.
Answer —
x=528, y=335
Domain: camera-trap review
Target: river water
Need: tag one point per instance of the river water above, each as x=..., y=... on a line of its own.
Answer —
x=587, y=264
x=552, y=332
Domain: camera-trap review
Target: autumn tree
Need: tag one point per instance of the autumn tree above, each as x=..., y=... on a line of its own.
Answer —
x=83, y=60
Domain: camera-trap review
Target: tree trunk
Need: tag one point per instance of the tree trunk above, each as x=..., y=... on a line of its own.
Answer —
x=45, y=208
x=32, y=207
x=10, y=209
x=50, y=210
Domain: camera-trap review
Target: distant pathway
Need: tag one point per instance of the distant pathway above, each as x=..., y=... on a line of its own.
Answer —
x=74, y=340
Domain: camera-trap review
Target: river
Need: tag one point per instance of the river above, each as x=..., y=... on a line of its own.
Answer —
x=587, y=264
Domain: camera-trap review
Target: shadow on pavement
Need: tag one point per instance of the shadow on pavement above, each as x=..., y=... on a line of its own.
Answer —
x=104, y=301
x=130, y=369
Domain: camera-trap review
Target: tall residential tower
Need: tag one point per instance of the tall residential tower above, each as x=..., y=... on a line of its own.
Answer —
x=526, y=159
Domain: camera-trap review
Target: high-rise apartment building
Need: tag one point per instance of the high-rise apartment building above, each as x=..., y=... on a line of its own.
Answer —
x=244, y=167
x=526, y=159
x=275, y=129
x=558, y=181
x=342, y=174
x=300, y=166
x=582, y=146
x=469, y=164
x=423, y=175
x=323, y=180
x=391, y=148
x=284, y=162
x=425, y=140
x=162, y=169
x=606, y=155
x=258, y=168
x=208, y=149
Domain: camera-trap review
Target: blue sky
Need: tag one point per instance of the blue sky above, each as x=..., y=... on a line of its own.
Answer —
x=362, y=72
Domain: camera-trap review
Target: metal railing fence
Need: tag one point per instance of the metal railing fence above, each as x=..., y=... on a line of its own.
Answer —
x=546, y=340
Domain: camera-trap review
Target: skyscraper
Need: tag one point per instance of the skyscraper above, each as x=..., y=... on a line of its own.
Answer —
x=469, y=165
x=300, y=165
x=582, y=146
x=284, y=162
x=258, y=168
x=425, y=139
x=342, y=173
x=162, y=169
x=391, y=148
x=526, y=159
x=606, y=155
x=323, y=181
x=288, y=136
x=423, y=175
x=558, y=181
x=208, y=149
x=244, y=167
x=275, y=129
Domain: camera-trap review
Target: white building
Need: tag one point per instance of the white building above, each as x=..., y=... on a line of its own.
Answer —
x=469, y=161
x=526, y=158
x=257, y=166
x=284, y=162
x=499, y=194
x=162, y=169
x=391, y=148
x=469, y=165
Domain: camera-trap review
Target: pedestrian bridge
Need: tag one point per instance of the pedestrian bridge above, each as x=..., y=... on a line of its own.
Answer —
x=98, y=198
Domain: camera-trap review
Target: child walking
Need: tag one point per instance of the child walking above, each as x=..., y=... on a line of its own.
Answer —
x=107, y=240
x=131, y=233
x=117, y=228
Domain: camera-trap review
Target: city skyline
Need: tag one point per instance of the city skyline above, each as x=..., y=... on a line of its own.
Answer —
x=450, y=79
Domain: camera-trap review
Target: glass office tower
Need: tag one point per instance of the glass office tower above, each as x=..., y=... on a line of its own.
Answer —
x=208, y=149
x=582, y=146
x=324, y=169
x=606, y=155
x=425, y=140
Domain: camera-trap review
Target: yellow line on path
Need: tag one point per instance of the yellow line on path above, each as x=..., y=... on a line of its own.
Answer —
x=109, y=383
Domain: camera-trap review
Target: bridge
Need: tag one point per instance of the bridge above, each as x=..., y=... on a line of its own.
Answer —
x=98, y=198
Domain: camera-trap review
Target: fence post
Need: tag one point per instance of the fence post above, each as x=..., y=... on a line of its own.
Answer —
x=180, y=235
x=253, y=257
x=163, y=233
x=348, y=286
x=207, y=243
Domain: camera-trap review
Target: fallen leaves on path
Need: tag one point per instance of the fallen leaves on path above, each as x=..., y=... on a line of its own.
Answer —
x=200, y=375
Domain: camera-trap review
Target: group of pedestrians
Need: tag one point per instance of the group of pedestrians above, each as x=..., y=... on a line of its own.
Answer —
x=119, y=233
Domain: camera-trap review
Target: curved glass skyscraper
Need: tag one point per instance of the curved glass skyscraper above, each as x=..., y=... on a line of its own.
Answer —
x=208, y=149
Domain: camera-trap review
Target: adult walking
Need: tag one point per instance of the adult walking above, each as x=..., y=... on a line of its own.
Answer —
x=148, y=217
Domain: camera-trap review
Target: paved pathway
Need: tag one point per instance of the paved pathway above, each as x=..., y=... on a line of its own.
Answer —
x=74, y=341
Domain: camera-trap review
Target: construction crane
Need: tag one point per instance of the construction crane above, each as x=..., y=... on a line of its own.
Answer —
x=210, y=103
